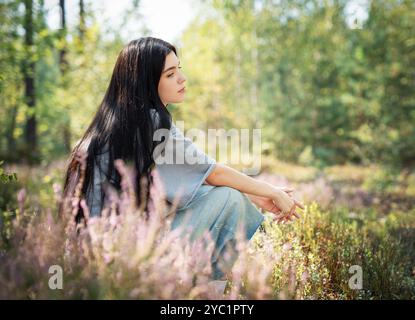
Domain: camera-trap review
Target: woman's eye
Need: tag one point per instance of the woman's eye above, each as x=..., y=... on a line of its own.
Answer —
x=172, y=73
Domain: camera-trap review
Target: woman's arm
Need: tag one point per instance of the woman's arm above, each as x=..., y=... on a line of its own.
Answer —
x=223, y=175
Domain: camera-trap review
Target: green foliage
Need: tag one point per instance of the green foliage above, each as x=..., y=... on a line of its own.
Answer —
x=6, y=177
x=8, y=183
x=322, y=91
x=323, y=245
x=66, y=96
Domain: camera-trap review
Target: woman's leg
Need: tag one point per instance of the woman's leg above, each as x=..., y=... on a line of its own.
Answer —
x=222, y=211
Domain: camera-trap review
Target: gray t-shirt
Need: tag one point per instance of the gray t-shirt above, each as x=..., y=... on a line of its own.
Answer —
x=182, y=168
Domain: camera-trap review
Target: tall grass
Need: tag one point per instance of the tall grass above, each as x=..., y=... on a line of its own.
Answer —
x=124, y=255
x=120, y=255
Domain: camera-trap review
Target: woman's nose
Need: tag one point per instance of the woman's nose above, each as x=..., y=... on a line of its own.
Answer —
x=182, y=78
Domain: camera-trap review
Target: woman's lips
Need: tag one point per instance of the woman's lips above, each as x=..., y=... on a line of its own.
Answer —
x=182, y=90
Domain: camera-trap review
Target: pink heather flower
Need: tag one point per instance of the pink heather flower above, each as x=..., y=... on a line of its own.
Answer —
x=21, y=198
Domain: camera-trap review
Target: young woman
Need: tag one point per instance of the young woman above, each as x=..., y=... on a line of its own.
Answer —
x=210, y=196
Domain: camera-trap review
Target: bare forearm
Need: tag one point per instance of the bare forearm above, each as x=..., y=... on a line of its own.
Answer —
x=223, y=175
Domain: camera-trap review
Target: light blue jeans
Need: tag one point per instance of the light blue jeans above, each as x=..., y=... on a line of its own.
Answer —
x=221, y=210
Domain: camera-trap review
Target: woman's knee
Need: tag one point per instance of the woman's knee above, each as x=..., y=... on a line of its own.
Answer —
x=234, y=196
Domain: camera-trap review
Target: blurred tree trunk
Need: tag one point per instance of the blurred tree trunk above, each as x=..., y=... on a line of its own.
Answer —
x=81, y=20
x=11, y=73
x=29, y=85
x=63, y=66
x=63, y=49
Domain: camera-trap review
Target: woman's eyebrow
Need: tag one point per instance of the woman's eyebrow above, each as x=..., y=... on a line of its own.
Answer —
x=173, y=67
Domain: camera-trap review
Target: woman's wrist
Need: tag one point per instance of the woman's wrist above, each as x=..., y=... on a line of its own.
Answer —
x=270, y=190
x=264, y=190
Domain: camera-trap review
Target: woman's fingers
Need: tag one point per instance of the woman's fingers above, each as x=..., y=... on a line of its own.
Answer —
x=275, y=208
x=299, y=204
x=290, y=191
x=279, y=216
x=276, y=219
x=287, y=217
x=292, y=208
x=282, y=219
x=287, y=220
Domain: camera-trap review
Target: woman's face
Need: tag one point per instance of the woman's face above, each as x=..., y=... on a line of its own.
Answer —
x=171, y=81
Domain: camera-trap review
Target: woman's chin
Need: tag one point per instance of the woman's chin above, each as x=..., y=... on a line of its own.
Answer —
x=179, y=100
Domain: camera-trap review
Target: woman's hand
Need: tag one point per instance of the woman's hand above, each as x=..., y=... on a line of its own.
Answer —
x=264, y=203
x=268, y=204
x=285, y=202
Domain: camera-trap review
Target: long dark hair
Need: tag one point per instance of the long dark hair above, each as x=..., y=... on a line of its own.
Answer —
x=123, y=124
